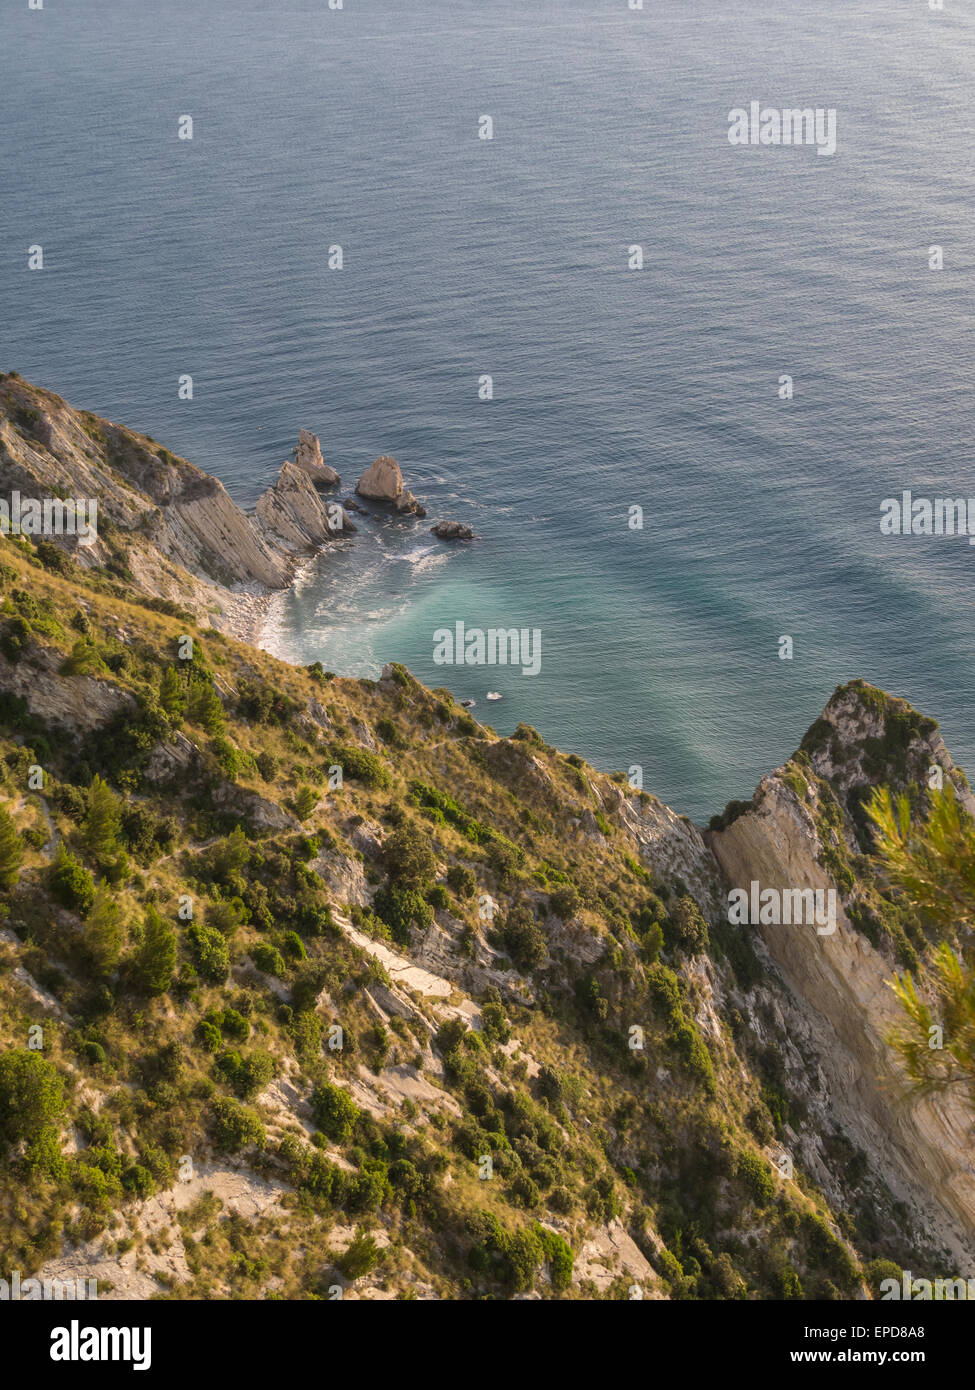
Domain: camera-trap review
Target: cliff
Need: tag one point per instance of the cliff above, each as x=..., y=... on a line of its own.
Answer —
x=801, y=831
x=163, y=524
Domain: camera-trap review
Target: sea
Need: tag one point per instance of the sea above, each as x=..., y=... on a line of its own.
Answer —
x=668, y=380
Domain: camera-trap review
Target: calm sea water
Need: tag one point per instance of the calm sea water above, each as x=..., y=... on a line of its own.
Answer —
x=613, y=387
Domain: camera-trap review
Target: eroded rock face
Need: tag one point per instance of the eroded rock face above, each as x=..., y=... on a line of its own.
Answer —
x=308, y=457
x=838, y=981
x=141, y=1272
x=253, y=809
x=183, y=516
x=75, y=702
x=293, y=515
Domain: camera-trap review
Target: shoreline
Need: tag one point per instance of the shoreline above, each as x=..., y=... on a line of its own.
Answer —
x=251, y=612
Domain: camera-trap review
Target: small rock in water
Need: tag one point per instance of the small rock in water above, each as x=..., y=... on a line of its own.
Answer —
x=452, y=531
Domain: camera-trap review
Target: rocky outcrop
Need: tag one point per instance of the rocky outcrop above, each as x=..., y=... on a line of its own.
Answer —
x=308, y=457
x=67, y=701
x=383, y=482
x=292, y=514
x=47, y=448
x=865, y=735
x=253, y=808
x=452, y=531
x=180, y=534
x=839, y=981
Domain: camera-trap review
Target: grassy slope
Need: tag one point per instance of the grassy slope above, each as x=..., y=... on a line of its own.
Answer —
x=669, y=1138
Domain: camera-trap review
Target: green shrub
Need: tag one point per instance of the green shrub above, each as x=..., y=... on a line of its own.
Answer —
x=402, y=909
x=15, y=638
x=209, y=952
x=496, y=1027
x=154, y=962
x=293, y=947
x=565, y=903
x=523, y=938
x=360, y=1257
x=461, y=881
x=408, y=857
x=71, y=883
x=335, y=1111
x=11, y=851
x=559, y=1256
x=359, y=765
x=235, y=1126
x=268, y=959
x=209, y=1035
x=31, y=1095
x=686, y=928
x=756, y=1177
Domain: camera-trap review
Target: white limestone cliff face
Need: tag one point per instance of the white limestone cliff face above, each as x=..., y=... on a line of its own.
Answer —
x=846, y=1010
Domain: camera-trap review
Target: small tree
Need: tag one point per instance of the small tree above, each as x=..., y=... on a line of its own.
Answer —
x=102, y=824
x=71, y=883
x=523, y=939
x=172, y=694
x=204, y=707
x=11, y=851
x=409, y=858
x=335, y=1111
x=154, y=963
x=209, y=951
x=360, y=1257
x=235, y=1126
x=686, y=928
x=31, y=1095
x=103, y=931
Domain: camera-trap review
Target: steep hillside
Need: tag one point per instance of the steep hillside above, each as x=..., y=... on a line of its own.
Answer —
x=311, y=984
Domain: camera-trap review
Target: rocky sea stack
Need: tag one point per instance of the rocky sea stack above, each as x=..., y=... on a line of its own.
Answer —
x=308, y=457
x=383, y=482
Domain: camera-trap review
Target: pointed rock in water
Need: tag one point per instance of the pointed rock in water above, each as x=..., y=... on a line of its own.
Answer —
x=308, y=457
x=383, y=482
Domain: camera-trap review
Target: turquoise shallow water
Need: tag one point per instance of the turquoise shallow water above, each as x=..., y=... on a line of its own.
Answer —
x=612, y=387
